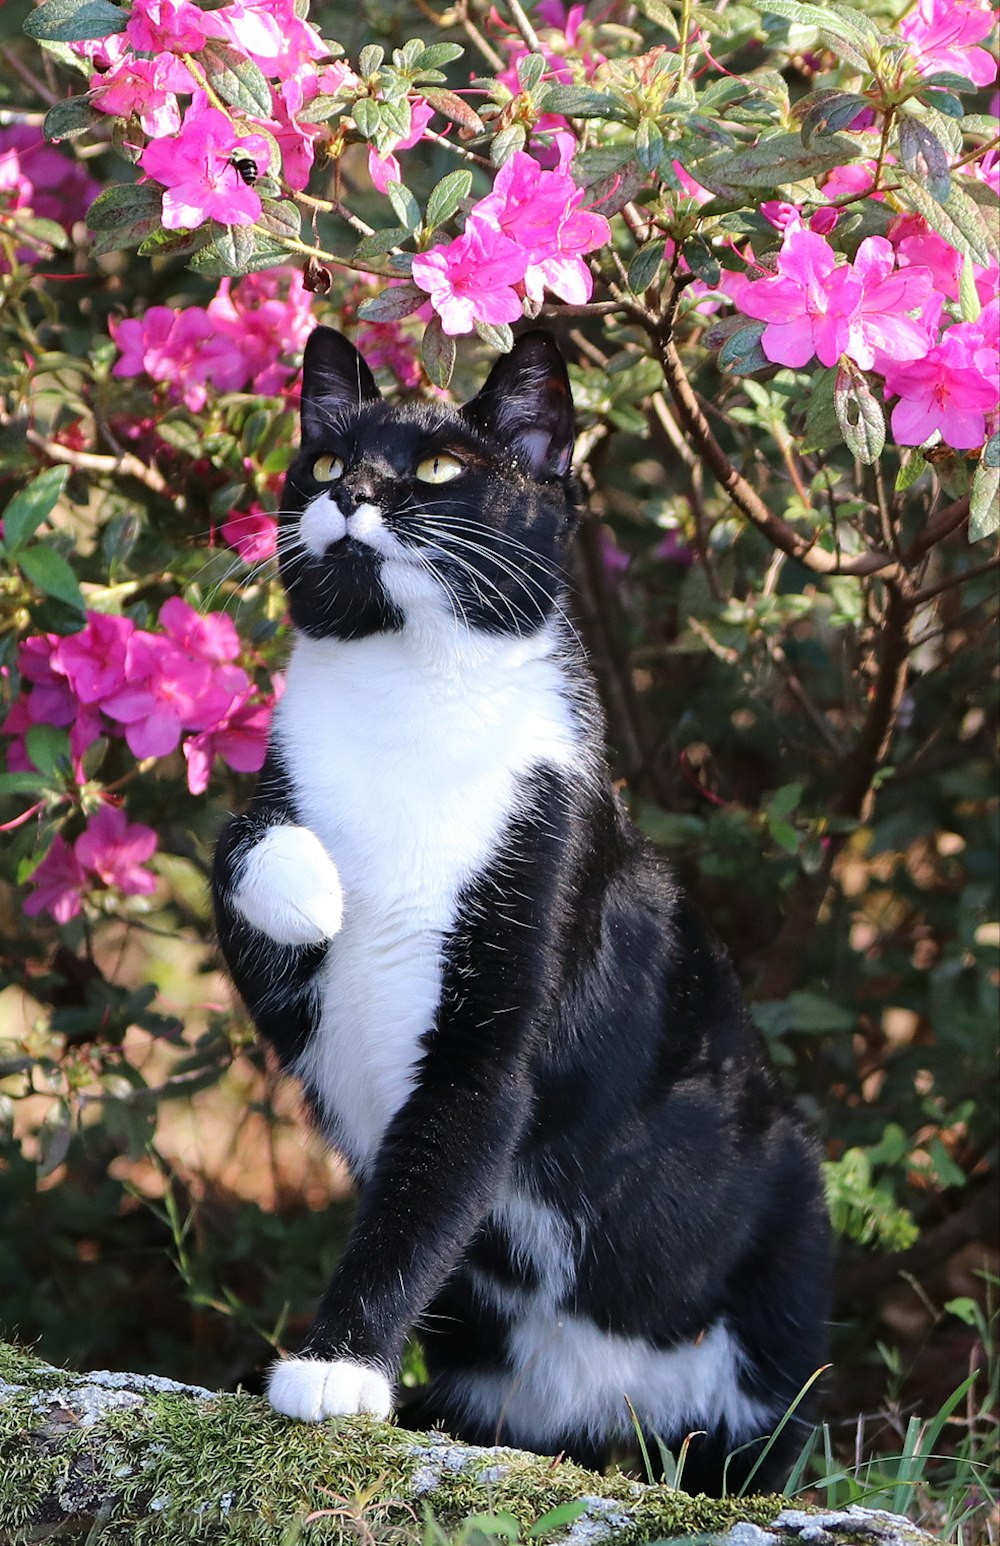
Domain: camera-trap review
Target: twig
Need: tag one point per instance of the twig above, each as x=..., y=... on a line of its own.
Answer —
x=126, y=466
x=524, y=26
x=954, y=580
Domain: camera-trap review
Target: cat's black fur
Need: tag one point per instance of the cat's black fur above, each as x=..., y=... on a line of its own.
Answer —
x=592, y=1185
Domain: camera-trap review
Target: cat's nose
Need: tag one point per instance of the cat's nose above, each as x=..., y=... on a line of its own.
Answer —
x=365, y=484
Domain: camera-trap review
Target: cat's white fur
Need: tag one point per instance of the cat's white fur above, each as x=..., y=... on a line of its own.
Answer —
x=289, y=888
x=310, y=1389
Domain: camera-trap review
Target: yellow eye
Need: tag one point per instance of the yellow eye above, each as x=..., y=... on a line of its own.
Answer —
x=439, y=469
x=327, y=469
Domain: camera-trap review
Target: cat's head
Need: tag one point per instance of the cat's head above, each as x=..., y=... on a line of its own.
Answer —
x=402, y=512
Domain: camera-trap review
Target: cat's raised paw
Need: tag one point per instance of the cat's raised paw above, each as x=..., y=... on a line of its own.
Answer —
x=289, y=888
x=310, y=1389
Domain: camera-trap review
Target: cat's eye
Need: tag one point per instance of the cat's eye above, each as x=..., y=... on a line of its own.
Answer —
x=439, y=469
x=327, y=469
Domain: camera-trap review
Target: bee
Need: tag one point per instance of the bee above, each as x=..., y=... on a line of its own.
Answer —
x=246, y=166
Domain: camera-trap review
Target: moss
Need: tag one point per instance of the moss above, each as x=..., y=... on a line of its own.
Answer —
x=175, y=1469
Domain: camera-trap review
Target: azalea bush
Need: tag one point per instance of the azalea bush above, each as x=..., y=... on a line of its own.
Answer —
x=767, y=236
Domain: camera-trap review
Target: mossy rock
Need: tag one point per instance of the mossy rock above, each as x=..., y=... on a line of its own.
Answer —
x=124, y=1459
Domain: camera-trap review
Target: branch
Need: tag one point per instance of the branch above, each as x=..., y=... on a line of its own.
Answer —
x=125, y=466
x=134, y=1456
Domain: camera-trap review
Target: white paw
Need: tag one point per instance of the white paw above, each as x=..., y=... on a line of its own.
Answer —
x=309, y=1389
x=289, y=888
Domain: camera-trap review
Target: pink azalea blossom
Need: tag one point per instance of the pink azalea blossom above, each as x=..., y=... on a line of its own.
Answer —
x=851, y=181
x=882, y=328
x=185, y=348
x=165, y=26
x=918, y=246
x=167, y=691
x=197, y=172
x=539, y=211
x=947, y=390
x=240, y=740
x=58, y=882
x=146, y=87
x=278, y=40
x=211, y=636
x=472, y=278
x=115, y=850
x=265, y=318
x=808, y=305
x=93, y=660
x=53, y=185
x=253, y=533
x=385, y=169
x=941, y=34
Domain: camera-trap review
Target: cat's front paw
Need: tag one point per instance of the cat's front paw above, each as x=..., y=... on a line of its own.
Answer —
x=289, y=888
x=310, y=1389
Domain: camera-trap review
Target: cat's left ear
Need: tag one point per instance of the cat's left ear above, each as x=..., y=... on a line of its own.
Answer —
x=334, y=378
x=526, y=403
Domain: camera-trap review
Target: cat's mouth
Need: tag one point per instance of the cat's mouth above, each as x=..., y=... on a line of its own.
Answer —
x=325, y=530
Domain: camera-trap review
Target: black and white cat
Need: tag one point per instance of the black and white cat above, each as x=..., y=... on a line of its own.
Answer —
x=578, y=1177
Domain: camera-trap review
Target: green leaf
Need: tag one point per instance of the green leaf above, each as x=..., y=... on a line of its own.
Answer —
x=446, y=196
x=397, y=121
x=68, y=118
x=909, y=472
x=454, y=108
x=860, y=415
x=74, y=21
x=379, y=243
x=392, y=304
x=991, y=452
x=958, y=219
x=822, y=427
x=437, y=352
x=702, y=261
x=504, y=144
x=370, y=59
x=741, y=354
x=49, y=749
x=498, y=337
x=437, y=55
x=831, y=111
x=648, y=144
x=281, y=217
x=22, y=783
x=367, y=114
x=124, y=204
x=237, y=79
x=984, y=499
x=968, y=295
x=31, y=506
x=49, y=572
x=321, y=108
x=562, y=1514
x=583, y=102
x=404, y=205
x=837, y=20
x=924, y=156
x=780, y=159
x=530, y=69
x=645, y=266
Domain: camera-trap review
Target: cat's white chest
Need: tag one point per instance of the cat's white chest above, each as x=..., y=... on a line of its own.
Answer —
x=408, y=767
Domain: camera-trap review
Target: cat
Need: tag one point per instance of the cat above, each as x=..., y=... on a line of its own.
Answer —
x=578, y=1176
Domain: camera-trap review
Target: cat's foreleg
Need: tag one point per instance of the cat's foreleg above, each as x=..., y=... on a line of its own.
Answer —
x=451, y=1146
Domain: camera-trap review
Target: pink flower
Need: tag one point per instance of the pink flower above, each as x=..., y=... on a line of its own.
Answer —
x=240, y=740
x=808, y=305
x=253, y=534
x=93, y=660
x=917, y=245
x=471, y=279
x=539, y=211
x=940, y=34
x=167, y=691
x=851, y=181
x=948, y=390
x=54, y=186
x=115, y=850
x=185, y=348
x=146, y=87
x=165, y=26
x=211, y=637
x=384, y=169
x=58, y=882
x=197, y=171
x=264, y=319
x=278, y=40
x=882, y=329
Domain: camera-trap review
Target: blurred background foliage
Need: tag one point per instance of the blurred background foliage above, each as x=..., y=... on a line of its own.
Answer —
x=164, y=1207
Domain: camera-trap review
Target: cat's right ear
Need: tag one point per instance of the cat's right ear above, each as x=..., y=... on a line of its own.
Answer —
x=335, y=378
